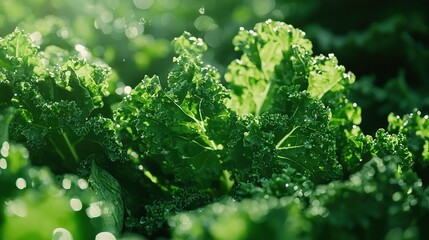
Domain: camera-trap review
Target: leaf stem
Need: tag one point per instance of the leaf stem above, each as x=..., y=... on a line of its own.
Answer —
x=71, y=147
x=289, y=147
x=285, y=137
x=264, y=94
x=62, y=156
x=226, y=180
x=293, y=162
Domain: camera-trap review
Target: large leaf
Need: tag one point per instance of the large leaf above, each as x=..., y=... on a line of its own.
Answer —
x=254, y=78
x=176, y=126
x=108, y=197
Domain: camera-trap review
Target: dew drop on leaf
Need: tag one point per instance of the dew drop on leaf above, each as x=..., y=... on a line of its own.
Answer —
x=76, y=204
x=61, y=234
x=66, y=183
x=105, y=236
x=202, y=10
x=21, y=183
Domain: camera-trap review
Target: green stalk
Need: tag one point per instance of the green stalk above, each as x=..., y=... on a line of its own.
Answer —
x=226, y=181
x=71, y=148
x=57, y=149
x=285, y=137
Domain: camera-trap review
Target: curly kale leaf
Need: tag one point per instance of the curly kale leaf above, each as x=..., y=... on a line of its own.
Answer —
x=247, y=219
x=53, y=75
x=306, y=141
x=415, y=127
x=276, y=55
x=287, y=183
x=298, y=135
x=355, y=149
x=255, y=78
x=176, y=130
x=380, y=197
x=276, y=67
x=159, y=211
x=386, y=144
x=56, y=96
x=30, y=194
x=176, y=127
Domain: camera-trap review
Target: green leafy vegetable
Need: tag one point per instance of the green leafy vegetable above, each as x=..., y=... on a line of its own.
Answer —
x=272, y=147
x=108, y=195
x=56, y=96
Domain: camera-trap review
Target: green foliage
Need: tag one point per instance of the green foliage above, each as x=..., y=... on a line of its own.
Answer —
x=395, y=202
x=249, y=219
x=108, y=193
x=414, y=127
x=57, y=97
x=183, y=200
x=273, y=146
x=288, y=182
x=379, y=200
x=253, y=78
x=171, y=127
x=30, y=193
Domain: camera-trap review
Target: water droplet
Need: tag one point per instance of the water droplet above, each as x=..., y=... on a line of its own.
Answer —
x=76, y=204
x=36, y=38
x=143, y=4
x=82, y=51
x=16, y=207
x=93, y=211
x=3, y=163
x=308, y=145
x=119, y=23
x=106, y=17
x=127, y=90
x=82, y=183
x=66, y=183
x=134, y=29
x=61, y=234
x=4, y=151
x=105, y=236
x=202, y=10
x=397, y=196
x=21, y=183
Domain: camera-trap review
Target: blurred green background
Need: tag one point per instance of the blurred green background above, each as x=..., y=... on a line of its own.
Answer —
x=385, y=43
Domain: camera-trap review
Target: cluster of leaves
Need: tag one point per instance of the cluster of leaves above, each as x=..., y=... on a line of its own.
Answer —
x=273, y=146
x=142, y=30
